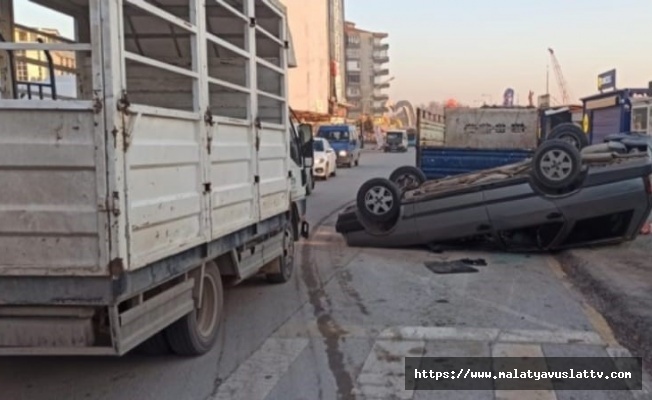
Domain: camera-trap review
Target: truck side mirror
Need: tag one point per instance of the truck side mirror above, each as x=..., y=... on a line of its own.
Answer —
x=305, y=133
x=307, y=150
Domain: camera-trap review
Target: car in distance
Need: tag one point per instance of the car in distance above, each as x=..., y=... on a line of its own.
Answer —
x=396, y=140
x=560, y=198
x=325, y=164
x=345, y=140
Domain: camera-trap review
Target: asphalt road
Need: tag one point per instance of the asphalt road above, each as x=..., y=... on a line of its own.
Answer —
x=341, y=328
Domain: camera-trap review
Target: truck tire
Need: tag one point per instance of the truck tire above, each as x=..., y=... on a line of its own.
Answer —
x=571, y=133
x=286, y=260
x=556, y=165
x=379, y=200
x=407, y=177
x=195, y=333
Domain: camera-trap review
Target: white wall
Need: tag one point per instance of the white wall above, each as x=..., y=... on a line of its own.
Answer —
x=310, y=81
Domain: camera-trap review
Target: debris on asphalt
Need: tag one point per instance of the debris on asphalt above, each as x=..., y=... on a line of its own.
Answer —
x=450, y=267
x=480, y=262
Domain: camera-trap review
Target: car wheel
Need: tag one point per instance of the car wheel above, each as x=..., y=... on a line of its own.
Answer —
x=556, y=164
x=570, y=133
x=407, y=177
x=195, y=333
x=334, y=172
x=378, y=200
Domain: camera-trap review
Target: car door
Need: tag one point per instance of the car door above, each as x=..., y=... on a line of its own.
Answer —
x=455, y=215
x=514, y=208
x=330, y=155
x=355, y=142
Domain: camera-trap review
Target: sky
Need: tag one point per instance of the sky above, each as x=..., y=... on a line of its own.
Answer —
x=465, y=49
x=472, y=50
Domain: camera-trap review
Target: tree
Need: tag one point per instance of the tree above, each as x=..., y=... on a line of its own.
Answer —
x=368, y=125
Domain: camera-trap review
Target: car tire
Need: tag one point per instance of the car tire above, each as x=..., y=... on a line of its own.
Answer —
x=571, y=133
x=378, y=200
x=407, y=177
x=557, y=164
x=334, y=173
x=286, y=260
x=196, y=332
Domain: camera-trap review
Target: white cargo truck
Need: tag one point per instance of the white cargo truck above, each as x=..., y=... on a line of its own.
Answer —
x=175, y=168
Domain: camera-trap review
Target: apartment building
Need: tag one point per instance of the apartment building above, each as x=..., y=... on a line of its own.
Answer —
x=31, y=65
x=367, y=73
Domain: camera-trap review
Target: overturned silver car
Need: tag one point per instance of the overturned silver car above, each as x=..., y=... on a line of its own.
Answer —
x=561, y=197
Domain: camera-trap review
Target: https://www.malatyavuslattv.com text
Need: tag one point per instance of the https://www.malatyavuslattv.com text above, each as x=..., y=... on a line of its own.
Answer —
x=516, y=374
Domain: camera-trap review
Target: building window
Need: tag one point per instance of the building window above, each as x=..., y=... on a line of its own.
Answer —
x=21, y=71
x=354, y=79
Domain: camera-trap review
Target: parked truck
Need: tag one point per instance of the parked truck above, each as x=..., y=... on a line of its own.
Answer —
x=176, y=168
x=470, y=139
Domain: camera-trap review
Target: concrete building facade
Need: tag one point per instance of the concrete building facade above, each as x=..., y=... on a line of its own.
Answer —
x=309, y=83
x=367, y=74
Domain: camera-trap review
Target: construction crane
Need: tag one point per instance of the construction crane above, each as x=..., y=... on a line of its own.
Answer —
x=561, y=82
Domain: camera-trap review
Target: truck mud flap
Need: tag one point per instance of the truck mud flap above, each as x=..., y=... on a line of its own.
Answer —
x=305, y=229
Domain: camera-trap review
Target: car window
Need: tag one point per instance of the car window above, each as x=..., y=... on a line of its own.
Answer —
x=394, y=135
x=335, y=136
x=318, y=145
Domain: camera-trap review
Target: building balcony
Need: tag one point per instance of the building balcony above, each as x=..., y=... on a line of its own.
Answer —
x=381, y=46
x=380, y=59
x=380, y=97
x=381, y=72
x=378, y=110
x=381, y=85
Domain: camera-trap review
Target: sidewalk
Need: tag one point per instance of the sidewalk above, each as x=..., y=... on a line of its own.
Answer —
x=617, y=280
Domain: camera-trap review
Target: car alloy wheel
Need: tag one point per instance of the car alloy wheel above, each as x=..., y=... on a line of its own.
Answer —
x=556, y=164
x=379, y=200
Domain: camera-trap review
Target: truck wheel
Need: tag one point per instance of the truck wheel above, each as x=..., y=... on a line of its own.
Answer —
x=195, y=333
x=286, y=260
x=378, y=200
x=571, y=133
x=407, y=177
x=556, y=164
